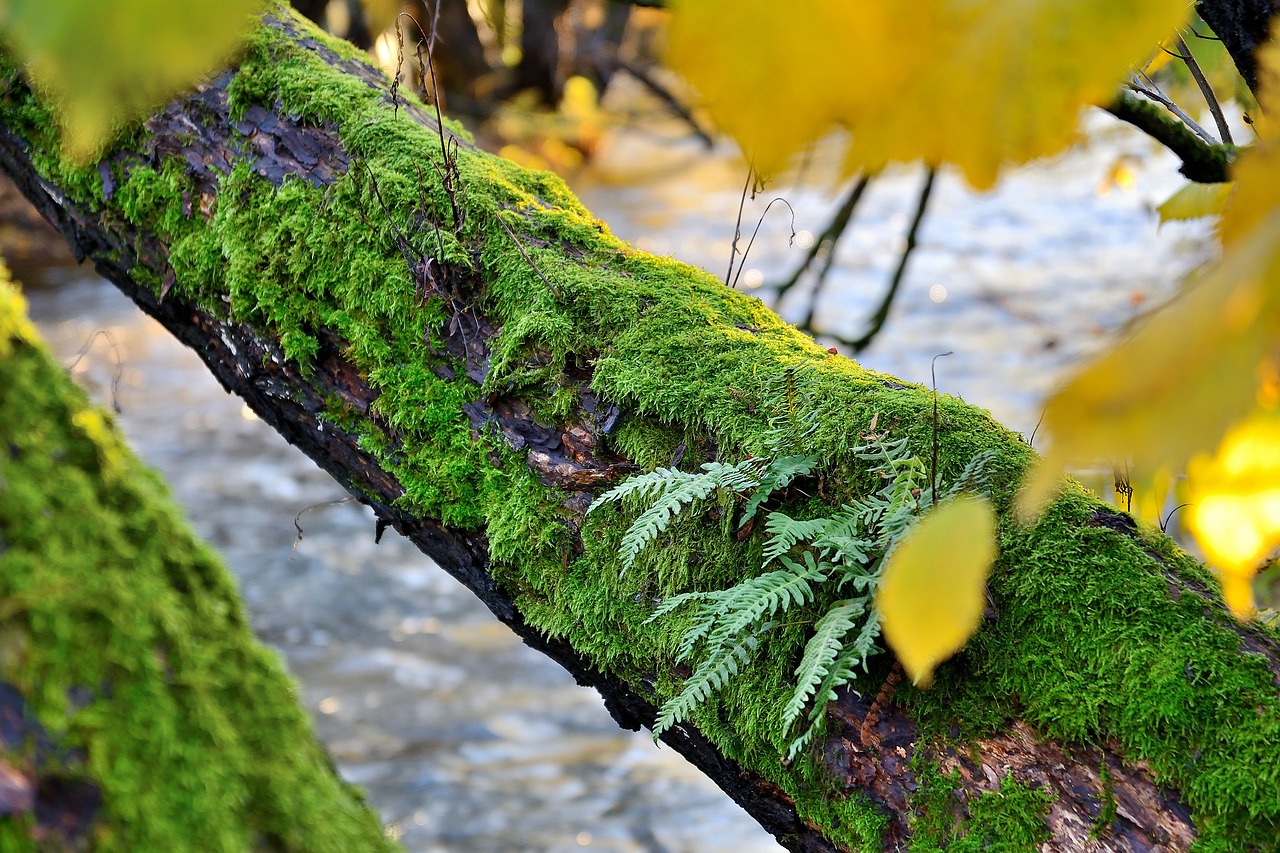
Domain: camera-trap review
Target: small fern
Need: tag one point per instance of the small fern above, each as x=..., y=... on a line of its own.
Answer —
x=820, y=654
x=730, y=623
x=754, y=479
x=841, y=555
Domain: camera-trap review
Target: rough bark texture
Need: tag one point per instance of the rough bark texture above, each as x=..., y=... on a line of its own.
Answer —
x=1109, y=702
x=1243, y=26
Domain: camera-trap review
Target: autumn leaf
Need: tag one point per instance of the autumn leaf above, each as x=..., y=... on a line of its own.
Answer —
x=931, y=595
x=1258, y=191
x=1175, y=386
x=979, y=84
x=106, y=62
x=1234, y=511
x=1194, y=201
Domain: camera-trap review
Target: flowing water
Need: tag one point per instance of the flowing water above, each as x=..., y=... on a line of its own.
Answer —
x=466, y=740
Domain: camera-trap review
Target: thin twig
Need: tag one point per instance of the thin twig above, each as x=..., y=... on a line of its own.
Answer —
x=1031, y=442
x=1202, y=161
x=665, y=95
x=737, y=227
x=933, y=465
x=760, y=222
x=882, y=313
x=1205, y=89
x=117, y=369
x=1164, y=523
x=832, y=238
x=1155, y=95
x=514, y=239
x=297, y=521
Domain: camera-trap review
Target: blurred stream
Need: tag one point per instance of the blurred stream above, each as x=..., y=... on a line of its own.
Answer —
x=466, y=740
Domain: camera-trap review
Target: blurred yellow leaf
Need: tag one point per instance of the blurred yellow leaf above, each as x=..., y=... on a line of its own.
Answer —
x=1174, y=387
x=975, y=83
x=106, y=62
x=379, y=15
x=1235, y=505
x=1151, y=495
x=1161, y=57
x=1255, y=173
x=1194, y=201
x=931, y=596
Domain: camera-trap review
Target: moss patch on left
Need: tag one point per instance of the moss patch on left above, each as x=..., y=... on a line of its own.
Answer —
x=131, y=649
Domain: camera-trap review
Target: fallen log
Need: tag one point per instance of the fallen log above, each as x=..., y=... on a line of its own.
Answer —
x=469, y=352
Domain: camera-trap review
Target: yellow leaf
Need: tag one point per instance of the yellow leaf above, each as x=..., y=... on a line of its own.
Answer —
x=1194, y=201
x=379, y=15
x=1255, y=173
x=974, y=83
x=1160, y=57
x=1174, y=387
x=1235, y=505
x=106, y=62
x=931, y=596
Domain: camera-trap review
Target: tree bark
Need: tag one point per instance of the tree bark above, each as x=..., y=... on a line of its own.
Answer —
x=472, y=355
x=1244, y=26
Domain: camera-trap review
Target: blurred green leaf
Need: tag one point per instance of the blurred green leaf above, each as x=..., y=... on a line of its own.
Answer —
x=106, y=62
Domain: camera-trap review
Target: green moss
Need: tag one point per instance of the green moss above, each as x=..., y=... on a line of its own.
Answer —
x=189, y=728
x=687, y=361
x=1010, y=819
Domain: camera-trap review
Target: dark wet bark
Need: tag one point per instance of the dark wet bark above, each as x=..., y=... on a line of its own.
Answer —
x=873, y=739
x=539, y=67
x=1243, y=26
x=313, y=9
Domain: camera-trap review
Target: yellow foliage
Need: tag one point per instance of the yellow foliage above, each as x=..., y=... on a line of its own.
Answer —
x=1195, y=200
x=932, y=593
x=979, y=84
x=107, y=62
x=1202, y=373
x=1174, y=387
x=559, y=141
x=380, y=15
x=1235, y=504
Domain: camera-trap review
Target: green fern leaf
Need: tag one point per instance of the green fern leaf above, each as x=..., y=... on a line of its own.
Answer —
x=711, y=675
x=646, y=486
x=820, y=654
x=841, y=672
x=786, y=532
x=753, y=599
x=675, y=490
x=778, y=475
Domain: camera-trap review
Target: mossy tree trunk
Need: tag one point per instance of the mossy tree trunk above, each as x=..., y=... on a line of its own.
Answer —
x=473, y=355
x=137, y=710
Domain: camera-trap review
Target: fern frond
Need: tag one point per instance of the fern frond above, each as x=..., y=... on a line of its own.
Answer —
x=645, y=486
x=820, y=654
x=711, y=675
x=786, y=532
x=889, y=453
x=674, y=489
x=673, y=602
x=742, y=477
x=750, y=601
x=840, y=673
x=777, y=475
